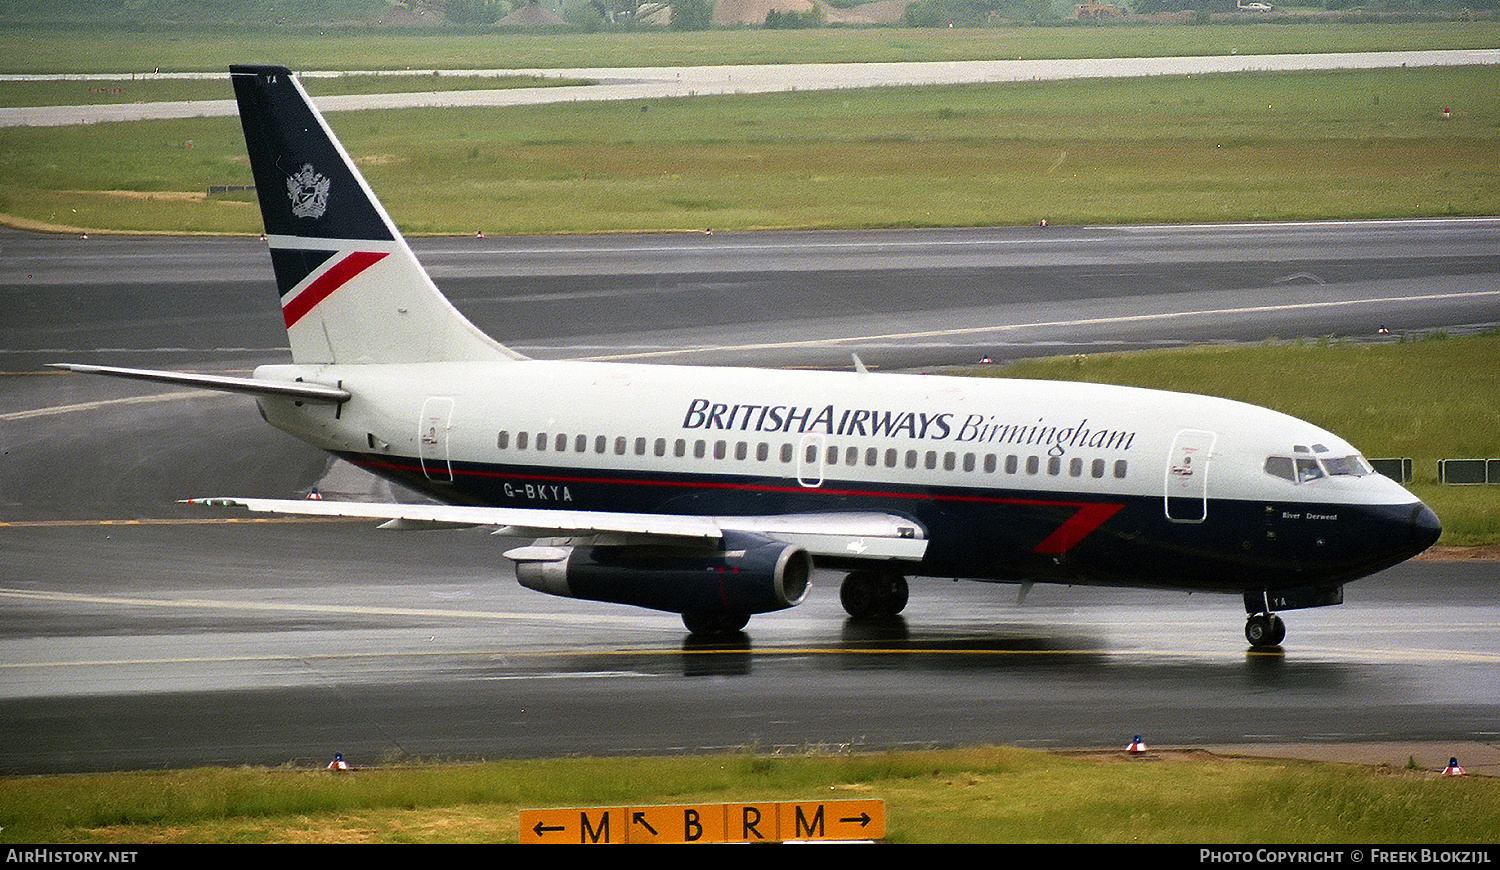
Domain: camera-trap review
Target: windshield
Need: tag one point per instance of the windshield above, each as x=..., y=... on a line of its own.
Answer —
x=1355, y=465
x=1304, y=468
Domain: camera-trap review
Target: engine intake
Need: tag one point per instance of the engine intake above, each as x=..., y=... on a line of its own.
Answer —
x=745, y=574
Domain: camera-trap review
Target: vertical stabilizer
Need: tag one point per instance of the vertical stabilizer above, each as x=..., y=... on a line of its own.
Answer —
x=351, y=289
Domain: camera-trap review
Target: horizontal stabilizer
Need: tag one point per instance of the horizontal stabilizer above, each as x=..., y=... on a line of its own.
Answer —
x=222, y=383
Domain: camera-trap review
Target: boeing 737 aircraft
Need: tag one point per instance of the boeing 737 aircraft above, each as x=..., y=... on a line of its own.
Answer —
x=714, y=492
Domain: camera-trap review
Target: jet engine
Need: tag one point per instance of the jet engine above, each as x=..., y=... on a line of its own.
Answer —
x=716, y=586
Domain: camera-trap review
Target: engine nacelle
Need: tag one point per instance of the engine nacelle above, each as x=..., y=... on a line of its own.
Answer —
x=747, y=574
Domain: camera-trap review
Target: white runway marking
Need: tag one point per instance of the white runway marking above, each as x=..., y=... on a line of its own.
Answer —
x=102, y=403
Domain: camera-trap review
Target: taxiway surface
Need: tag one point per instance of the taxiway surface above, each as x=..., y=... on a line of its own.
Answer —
x=137, y=633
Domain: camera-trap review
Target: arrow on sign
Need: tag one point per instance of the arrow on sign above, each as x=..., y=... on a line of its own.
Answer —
x=640, y=819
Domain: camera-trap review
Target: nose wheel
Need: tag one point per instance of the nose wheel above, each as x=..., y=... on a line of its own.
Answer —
x=1265, y=630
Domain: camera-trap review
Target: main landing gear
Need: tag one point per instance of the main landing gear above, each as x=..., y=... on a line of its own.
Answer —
x=1265, y=630
x=873, y=594
x=714, y=623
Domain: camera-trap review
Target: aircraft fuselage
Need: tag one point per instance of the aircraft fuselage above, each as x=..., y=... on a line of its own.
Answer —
x=1010, y=480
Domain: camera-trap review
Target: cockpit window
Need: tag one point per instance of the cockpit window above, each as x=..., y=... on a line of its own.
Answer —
x=1282, y=467
x=1303, y=468
x=1354, y=465
x=1307, y=469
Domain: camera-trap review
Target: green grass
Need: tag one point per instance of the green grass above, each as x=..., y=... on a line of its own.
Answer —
x=1427, y=400
x=956, y=796
x=101, y=49
x=1239, y=147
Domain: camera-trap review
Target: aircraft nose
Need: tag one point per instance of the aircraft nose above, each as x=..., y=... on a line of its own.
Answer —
x=1395, y=533
x=1423, y=528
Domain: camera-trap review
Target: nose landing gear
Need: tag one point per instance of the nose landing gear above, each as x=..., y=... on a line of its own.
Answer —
x=1265, y=630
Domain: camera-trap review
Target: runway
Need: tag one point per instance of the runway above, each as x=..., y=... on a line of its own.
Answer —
x=139, y=633
x=647, y=83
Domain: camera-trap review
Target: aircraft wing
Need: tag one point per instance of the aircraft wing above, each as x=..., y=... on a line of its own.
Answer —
x=854, y=535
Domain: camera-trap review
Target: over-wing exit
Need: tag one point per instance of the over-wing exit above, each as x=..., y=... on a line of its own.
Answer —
x=715, y=492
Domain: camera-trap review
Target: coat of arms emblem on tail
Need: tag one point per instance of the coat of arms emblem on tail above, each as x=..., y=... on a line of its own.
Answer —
x=309, y=192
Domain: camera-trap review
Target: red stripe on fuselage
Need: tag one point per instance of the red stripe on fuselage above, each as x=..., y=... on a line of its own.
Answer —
x=324, y=285
x=1077, y=527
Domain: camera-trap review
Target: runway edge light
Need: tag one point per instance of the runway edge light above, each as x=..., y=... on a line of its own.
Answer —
x=1137, y=746
x=1453, y=769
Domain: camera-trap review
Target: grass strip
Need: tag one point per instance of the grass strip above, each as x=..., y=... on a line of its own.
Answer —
x=85, y=49
x=1352, y=144
x=985, y=794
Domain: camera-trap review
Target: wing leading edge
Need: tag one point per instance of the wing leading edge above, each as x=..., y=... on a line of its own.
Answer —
x=862, y=536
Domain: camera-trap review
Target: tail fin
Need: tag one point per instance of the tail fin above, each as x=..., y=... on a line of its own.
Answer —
x=352, y=291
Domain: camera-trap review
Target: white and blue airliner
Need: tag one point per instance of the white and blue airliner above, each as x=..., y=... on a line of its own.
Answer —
x=715, y=492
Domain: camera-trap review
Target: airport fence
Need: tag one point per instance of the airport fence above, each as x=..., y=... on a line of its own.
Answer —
x=1398, y=470
x=1468, y=472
